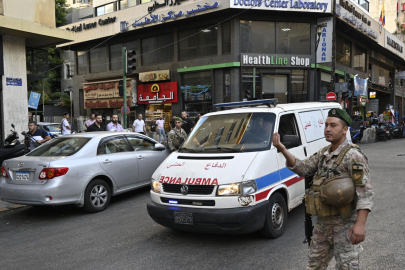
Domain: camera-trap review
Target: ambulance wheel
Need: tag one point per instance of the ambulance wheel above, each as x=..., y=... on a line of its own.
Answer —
x=276, y=219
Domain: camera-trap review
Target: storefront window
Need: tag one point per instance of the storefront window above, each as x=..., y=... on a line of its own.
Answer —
x=343, y=51
x=247, y=84
x=198, y=43
x=275, y=86
x=109, y=8
x=292, y=38
x=299, y=85
x=257, y=37
x=123, y=4
x=359, y=58
x=81, y=62
x=380, y=75
x=158, y=49
x=325, y=86
x=226, y=38
x=116, y=53
x=98, y=59
x=196, y=90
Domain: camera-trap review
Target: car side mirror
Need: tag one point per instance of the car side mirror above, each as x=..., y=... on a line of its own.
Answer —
x=291, y=141
x=159, y=146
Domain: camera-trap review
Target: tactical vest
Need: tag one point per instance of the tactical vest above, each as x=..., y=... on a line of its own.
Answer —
x=331, y=194
x=177, y=139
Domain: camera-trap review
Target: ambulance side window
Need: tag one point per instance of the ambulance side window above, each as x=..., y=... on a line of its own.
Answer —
x=313, y=124
x=288, y=126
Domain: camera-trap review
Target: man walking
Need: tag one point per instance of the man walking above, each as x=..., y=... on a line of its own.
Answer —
x=176, y=136
x=37, y=135
x=187, y=123
x=114, y=125
x=342, y=177
x=161, y=129
x=90, y=121
x=139, y=125
x=98, y=124
x=65, y=126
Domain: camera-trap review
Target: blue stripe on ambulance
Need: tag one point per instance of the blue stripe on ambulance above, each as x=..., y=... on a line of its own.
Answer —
x=273, y=178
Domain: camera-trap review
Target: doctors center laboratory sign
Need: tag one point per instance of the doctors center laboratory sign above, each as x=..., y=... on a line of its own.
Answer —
x=320, y=6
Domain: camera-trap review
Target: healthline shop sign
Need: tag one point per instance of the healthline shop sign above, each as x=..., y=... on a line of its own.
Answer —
x=273, y=60
x=320, y=6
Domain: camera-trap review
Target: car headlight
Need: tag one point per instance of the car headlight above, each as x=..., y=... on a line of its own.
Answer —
x=156, y=186
x=229, y=189
x=248, y=187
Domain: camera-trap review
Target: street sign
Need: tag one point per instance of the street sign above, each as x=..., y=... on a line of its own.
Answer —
x=122, y=109
x=330, y=96
x=34, y=100
x=14, y=81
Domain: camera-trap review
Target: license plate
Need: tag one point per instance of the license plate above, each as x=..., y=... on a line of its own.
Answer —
x=22, y=176
x=183, y=218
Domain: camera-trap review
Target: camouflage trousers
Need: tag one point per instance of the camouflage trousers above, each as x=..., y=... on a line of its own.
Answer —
x=330, y=238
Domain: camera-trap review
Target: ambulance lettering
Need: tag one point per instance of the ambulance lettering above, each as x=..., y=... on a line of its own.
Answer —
x=188, y=181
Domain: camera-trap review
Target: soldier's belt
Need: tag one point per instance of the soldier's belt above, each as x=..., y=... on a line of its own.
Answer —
x=315, y=206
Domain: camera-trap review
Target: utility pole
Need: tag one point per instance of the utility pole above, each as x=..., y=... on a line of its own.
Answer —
x=332, y=71
x=124, y=86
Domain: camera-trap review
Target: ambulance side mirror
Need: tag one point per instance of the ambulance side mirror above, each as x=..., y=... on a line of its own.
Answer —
x=291, y=141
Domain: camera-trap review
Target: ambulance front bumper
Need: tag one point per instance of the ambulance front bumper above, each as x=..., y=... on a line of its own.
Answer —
x=239, y=220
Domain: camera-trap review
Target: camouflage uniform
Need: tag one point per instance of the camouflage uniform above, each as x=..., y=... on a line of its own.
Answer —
x=330, y=235
x=174, y=138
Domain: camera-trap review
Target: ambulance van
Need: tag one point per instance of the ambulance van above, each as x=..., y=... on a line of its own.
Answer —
x=228, y=177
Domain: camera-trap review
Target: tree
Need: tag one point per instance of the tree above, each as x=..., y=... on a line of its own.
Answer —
x=399, y=32
x=61, y=10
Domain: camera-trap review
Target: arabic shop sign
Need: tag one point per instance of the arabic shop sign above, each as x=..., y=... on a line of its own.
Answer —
x=152, y=76
x=321, y=6
x=87, y=26
x=156, y=5
x=171, y=15
x=362, y=22
x=106, y=94
x=157, y=93
x=273, y=60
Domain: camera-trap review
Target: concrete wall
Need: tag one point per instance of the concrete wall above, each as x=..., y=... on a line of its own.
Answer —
x=14, y=101
x=37, y=11
x=390, y=7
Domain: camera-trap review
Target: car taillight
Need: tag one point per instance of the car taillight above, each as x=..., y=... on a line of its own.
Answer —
x=4, y=172
x=49, y=173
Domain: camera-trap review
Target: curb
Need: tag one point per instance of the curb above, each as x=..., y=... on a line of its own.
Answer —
x=12, y=207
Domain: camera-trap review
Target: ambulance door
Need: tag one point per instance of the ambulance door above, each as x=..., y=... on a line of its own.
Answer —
x=288, y=128
x=313, y=126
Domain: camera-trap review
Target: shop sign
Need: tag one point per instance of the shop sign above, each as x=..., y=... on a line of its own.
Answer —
x=353, y=15
x=324, y=50
x=373, y=94
x=106, y=103
x=156, y=5
x=152, y=76
x=157, y=93
x=363, y=100
x=360, y=87
x=88, y=26
x=400, y=75
x=171, y=15
x=320, y=6
x=398, y=93
x=393, y=44
x=274, y=60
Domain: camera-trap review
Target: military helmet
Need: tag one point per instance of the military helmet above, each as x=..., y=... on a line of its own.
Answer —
x=338, y=192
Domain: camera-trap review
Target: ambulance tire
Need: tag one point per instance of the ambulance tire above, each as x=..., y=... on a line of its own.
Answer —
x=276, y=219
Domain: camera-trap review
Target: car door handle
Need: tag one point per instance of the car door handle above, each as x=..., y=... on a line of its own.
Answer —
x=305, y=151
x=107, y=161
x=140, y=157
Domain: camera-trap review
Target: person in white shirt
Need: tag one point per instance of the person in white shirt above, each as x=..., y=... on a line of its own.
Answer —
x=139, y=125
x=65, y=124
x=161, y=129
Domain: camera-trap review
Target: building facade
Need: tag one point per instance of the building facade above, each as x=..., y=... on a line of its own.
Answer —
x=193, y=54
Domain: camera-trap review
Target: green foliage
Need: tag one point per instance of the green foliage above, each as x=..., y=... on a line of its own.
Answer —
x=61, y=10
x=59, y=95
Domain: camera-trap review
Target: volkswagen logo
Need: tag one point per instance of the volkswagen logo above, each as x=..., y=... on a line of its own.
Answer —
x=20, y=164
x=184, y=189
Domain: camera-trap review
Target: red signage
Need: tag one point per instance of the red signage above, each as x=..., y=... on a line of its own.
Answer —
x=157, y=93
x=330, y=96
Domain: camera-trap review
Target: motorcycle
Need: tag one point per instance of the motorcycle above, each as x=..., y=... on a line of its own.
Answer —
x=357, y=134
x=397, y=131
x=381, y=134
x=388, y=130
x=12, y=147
x=29, y=138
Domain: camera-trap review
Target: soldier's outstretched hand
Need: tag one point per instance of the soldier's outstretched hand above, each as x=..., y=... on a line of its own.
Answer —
x=277, y=143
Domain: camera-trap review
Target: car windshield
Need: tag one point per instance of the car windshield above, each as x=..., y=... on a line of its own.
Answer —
x=52, y=128
x=59, y=147
x=231, y=133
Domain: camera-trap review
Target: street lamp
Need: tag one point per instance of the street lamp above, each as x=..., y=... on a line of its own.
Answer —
x=318, y=36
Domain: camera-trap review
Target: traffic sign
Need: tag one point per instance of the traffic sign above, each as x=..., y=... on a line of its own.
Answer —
x=122, y=109
x=330, y=96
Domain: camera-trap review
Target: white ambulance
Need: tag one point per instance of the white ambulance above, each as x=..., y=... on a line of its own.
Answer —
x=229, y=178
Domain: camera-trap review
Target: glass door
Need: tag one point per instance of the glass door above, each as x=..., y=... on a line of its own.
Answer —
x=275, y=86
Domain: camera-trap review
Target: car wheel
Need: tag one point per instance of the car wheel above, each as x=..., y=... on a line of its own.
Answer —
x=276, y=219
x=97, y=196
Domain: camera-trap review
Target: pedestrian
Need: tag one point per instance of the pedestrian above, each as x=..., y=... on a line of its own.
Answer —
x=139, y=125
x=90, y=121
x=97, y=125
x=341, y=218
x=374, y=120
x=172, y=123
x=403, y=126
x=114, y=125
x=161, y=129
x=381, y=119
x=29, y=116
x=176, y=136
x=152, y=129
x=197, y=119
x=187, y=123
x=65, y=126
x=37, y=135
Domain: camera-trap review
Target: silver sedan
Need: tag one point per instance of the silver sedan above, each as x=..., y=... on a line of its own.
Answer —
x=82, y=169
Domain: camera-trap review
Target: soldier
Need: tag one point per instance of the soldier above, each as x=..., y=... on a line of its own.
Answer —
x=177, y=135
x=340, y=195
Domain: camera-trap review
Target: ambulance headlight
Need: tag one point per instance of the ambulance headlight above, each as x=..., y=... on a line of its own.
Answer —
x=248, y=187
x=229, y=189
x=156, y=186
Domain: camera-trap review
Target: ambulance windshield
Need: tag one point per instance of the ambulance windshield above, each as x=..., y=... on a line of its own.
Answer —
x=237, y=132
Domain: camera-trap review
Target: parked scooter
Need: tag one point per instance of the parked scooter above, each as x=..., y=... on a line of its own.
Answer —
x=381, y=134
x=12, y=147
x=397, y=131
x=357, y=134
x=388, y=130
x=29, y=138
